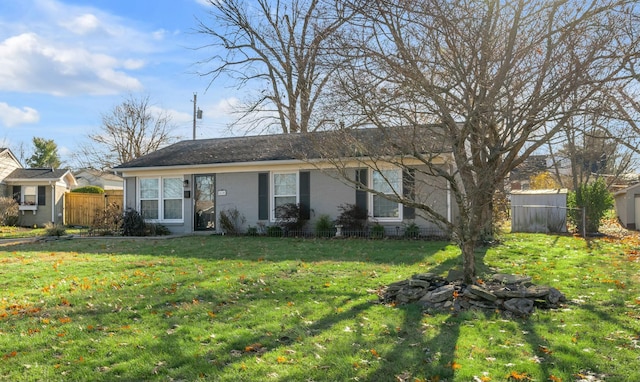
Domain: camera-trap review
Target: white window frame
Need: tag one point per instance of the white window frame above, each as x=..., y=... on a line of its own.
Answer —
x=25, y=194
x=272, y=193
x=161, y=198
x=400, y=191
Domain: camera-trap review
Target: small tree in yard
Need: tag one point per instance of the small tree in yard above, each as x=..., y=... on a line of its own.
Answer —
x=594, y=200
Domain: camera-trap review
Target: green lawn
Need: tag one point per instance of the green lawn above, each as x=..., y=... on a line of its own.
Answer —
x=267, y=309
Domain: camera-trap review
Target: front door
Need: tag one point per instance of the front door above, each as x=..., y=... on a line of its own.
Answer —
x=205, y=202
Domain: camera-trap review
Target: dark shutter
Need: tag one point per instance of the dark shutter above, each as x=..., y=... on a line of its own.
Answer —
x=263, y=196
x=408, y=191
x=305, y=195
x=361, y=195
x=17, y=192
x=42, y=195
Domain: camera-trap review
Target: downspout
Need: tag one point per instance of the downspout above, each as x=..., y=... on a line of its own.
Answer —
x=53, y=202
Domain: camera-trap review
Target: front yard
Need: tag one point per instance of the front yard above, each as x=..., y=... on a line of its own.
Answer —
x=254, y=308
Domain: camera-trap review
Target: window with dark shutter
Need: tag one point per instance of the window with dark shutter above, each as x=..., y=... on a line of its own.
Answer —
x=305, y=195
x=42, y=195
x=17, y=194
x=263, y=196
x=408, y=191
x=361, y=195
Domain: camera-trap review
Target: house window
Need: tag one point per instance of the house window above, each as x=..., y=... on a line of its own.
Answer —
x=388, y=182
x=285, y=190
x=161, y=198
x=30, y=195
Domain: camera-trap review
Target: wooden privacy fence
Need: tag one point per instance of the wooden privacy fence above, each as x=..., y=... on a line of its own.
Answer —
x=80, y=209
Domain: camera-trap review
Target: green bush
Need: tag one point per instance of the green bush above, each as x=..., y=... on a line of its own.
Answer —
x=252, y=231
x=377, y=231
x=595, y=199
x=89, y=190
x=412, y=231
x=53, y=229
x=324, y=226
x=274, y=231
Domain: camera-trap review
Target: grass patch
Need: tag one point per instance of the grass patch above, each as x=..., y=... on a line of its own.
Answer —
x=247, y=308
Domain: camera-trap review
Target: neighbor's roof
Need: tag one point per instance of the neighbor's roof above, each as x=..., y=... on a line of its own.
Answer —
x=262, y=148
x=37, y=174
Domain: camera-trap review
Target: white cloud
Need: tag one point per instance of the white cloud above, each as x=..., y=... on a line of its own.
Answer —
x=12, y=116
x=83, y=24
x=28, y=63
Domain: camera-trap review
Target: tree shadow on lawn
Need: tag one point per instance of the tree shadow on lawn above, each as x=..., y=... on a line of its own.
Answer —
x=252, y=248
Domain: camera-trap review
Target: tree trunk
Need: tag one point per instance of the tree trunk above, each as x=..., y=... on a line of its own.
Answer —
x=468, y=260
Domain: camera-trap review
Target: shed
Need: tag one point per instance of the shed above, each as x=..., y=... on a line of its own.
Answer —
x=627, y=204
x=539, y=211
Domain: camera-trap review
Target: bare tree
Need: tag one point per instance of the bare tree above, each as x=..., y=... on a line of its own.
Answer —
x=131, y=130
x=282, y=48
x=466, y=90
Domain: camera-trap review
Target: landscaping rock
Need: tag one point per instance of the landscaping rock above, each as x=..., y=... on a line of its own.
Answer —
x=441, y=294
x=519, y=306
x=512, y=293
x=481, y=293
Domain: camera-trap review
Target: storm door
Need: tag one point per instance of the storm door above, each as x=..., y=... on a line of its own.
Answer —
x=205, y=202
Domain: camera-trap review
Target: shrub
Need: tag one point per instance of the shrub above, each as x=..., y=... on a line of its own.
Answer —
x=133, y=223
x=107, y=221
x=377, y=231
x=252, y=231
x=153, y=229
x=596, y=200
x=89, y=190
x=53, y=229
x=274, y=231
x=231, y=221
x=352, y=218
x=8, y=211
x=290, y=218
x=412, y=231
x=324, y=226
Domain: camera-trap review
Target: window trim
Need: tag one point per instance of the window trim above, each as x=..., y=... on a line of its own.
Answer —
x=372, y=195
x=160, y=199
x=272, y=192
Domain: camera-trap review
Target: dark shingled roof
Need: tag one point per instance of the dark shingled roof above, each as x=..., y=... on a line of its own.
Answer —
x=260, y=148
x=221, y=150
x=36, y=174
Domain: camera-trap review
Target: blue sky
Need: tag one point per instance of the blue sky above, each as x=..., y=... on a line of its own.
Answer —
x=65, y=63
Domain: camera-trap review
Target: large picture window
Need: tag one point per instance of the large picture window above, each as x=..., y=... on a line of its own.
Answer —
x=161, y=198
x=388, y=182
x=285, y=190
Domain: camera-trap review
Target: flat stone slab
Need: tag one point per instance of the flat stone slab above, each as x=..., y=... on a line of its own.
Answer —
x=482, y=293
x=510, y=279
x=438, y=295
x=520, y=306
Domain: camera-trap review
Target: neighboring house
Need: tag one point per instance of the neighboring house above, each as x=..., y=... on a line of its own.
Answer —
x=185, y=186
x=8, y=163
x=103, y=179
x=40, y=194
x=627, y=204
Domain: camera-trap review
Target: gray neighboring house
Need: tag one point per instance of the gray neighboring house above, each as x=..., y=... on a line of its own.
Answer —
x=186, y=185
x=39, y=193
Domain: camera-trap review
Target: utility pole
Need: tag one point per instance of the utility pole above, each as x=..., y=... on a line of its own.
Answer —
x=197, y=113
x=195, y=97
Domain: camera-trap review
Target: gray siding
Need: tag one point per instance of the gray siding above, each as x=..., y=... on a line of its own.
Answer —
x=241, y=194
